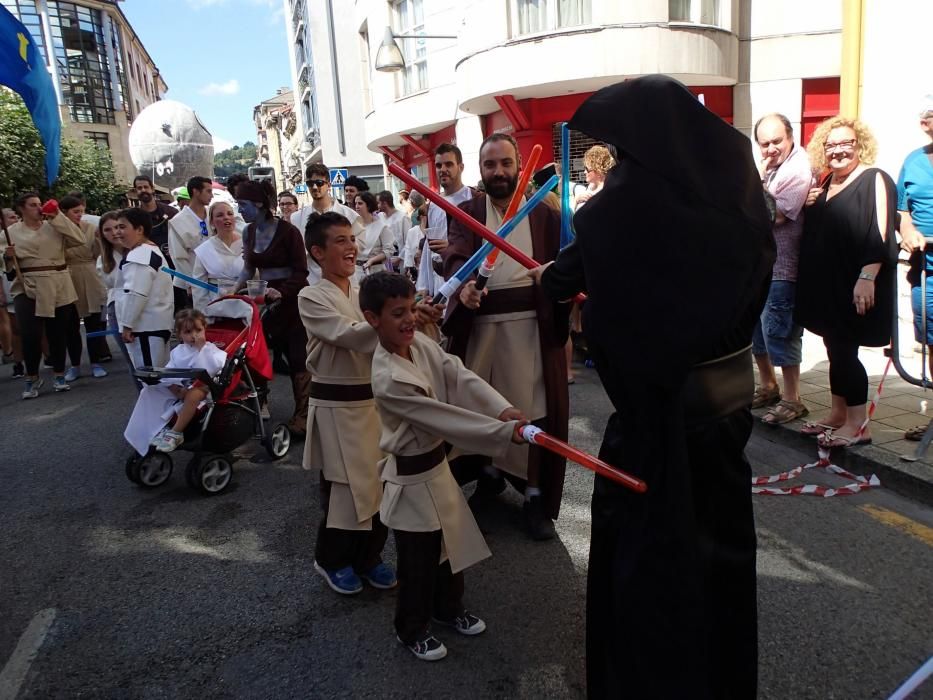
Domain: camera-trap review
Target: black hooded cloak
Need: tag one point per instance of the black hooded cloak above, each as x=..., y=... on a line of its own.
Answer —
x=675, y=254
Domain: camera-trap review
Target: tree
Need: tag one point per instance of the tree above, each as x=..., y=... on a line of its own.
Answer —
x=236, y=159
x=85, y=167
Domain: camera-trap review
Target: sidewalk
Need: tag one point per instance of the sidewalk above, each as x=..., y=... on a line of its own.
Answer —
x=901, y=406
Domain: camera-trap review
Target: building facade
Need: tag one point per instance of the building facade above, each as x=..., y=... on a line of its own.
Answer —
x=524, y=66
x=330, y=56
x=102, y=73
x=276, y=125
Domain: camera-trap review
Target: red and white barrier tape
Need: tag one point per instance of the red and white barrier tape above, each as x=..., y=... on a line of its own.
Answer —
x=858, y=484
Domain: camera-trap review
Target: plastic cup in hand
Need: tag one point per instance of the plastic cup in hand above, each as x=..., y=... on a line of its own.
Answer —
x=226, y=287
x=256, y=289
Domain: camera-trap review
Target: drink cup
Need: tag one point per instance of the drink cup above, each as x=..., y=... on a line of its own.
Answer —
x=256, y=289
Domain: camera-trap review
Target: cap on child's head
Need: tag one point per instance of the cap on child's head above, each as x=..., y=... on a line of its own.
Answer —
x=377, y=288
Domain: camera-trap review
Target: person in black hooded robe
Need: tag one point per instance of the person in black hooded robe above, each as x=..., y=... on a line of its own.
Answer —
x=671, y=591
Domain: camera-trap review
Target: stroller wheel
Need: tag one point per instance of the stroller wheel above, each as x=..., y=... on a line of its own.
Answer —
x=152, y=470
x=210, y=474
x=278, y=441
x=132, y=467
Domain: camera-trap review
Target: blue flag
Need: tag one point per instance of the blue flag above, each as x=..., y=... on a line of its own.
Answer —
x=22, y=69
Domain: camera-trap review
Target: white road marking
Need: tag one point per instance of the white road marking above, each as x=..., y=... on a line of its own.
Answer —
x=14, y=673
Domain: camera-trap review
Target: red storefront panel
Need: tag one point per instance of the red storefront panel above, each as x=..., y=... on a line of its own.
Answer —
x=820, y=98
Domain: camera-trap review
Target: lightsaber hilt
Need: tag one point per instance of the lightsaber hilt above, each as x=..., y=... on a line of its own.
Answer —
x=533, y=435
x=485, y=271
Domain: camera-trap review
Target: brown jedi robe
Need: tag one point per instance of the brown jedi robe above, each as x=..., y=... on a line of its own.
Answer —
x=40, y=249
x=553, y=328
x=82, y=266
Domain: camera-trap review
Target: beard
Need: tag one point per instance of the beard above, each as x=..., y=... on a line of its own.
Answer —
x=145, y=197
x=501, y=186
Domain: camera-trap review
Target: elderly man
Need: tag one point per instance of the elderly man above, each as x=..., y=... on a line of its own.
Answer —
x=785, y=173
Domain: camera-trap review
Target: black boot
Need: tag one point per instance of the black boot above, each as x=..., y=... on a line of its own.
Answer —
x=537, y=524
x=487, y=489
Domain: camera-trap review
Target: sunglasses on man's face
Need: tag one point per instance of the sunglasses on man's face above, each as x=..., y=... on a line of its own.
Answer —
x=318, y=183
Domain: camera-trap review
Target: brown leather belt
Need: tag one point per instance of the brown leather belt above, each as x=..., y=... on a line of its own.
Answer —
x=44, y=268
x=341, y=392
x=508, y=301
x=719, y=387
x=417, y=464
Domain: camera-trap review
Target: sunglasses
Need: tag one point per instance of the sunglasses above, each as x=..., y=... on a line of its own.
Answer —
x=318, y=183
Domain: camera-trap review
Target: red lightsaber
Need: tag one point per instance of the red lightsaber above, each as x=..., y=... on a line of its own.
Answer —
x=535, y=436
x=468, y=221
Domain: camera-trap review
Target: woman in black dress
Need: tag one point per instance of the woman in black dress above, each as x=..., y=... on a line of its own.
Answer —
x=276, y=249
x=845, y=289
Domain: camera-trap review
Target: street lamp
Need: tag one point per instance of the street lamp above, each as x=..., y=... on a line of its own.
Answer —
x=389, y=58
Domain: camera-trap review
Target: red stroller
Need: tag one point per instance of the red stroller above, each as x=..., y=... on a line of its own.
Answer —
x=233, y=416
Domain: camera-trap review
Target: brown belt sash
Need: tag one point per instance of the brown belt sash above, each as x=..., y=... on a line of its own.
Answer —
x=507, y=301
x=45, y=268
x=417, y=464
x=341, y=392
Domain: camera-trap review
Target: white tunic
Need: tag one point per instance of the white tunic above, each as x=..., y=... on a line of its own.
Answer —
x=156, y=404
x=146, y=302
x=216, y=263
x=429, y=280
x=185, y=234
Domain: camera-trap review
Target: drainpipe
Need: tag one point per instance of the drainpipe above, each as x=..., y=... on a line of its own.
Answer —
x=341, y=143
x=853, y=39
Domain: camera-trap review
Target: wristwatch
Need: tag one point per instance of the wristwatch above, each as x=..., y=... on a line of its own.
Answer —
x=866, y=276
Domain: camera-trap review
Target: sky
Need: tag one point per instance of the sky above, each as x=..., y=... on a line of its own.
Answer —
x=219, y=57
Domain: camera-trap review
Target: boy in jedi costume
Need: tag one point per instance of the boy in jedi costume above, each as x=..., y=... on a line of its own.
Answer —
x=343, y=427
x=426, y=397
x=673, y=353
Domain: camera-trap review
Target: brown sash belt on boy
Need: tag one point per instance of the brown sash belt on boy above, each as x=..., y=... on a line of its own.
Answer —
x=341, y=392
x=416, y=464
x=44, y=268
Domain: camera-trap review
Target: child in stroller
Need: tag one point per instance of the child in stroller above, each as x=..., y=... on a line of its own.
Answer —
x=151, y=417
x=210, y=385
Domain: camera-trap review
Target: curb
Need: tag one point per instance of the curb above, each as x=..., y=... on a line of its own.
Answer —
x=913, y=480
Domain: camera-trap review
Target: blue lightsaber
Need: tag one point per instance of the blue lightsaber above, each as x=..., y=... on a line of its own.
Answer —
x=192, y=280
x=460, y=276
x=566, y=208
x=101, y=334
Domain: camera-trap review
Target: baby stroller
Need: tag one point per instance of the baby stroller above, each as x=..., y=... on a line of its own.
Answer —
x=233, y=416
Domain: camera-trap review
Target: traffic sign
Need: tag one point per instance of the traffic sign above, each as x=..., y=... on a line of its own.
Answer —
x=338, y=176
x=301, y=188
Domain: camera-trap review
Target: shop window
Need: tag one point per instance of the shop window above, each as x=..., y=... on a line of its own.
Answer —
x=695, y=11
x=408, y=23
x=533, y=16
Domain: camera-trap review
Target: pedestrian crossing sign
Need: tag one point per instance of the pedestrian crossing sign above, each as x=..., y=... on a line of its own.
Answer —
x=338, y=176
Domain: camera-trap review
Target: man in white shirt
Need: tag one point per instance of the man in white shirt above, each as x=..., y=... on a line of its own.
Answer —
x=397, y=223
x=317, y=177
x=448, y=162
x=189, y=229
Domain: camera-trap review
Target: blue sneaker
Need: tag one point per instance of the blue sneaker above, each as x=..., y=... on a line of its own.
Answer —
x=72, y=374
x=98, y=371
x=343, y=581
x=380, y=576
x=61, y=384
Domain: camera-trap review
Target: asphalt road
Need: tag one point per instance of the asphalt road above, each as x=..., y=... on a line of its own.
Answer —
x=111, y=591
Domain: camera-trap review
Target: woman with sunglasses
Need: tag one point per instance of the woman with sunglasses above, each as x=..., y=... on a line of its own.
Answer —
x=845, y=286
x=274, y=249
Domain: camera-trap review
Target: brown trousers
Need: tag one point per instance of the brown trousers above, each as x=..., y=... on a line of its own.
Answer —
x=336, y=549
x=426, y=589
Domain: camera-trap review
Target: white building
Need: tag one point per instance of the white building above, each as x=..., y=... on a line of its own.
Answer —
x=327, y=68
x=524, y=66
x=102, y=73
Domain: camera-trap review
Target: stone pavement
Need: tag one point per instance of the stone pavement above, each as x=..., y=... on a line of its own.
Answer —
x=901, y=406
